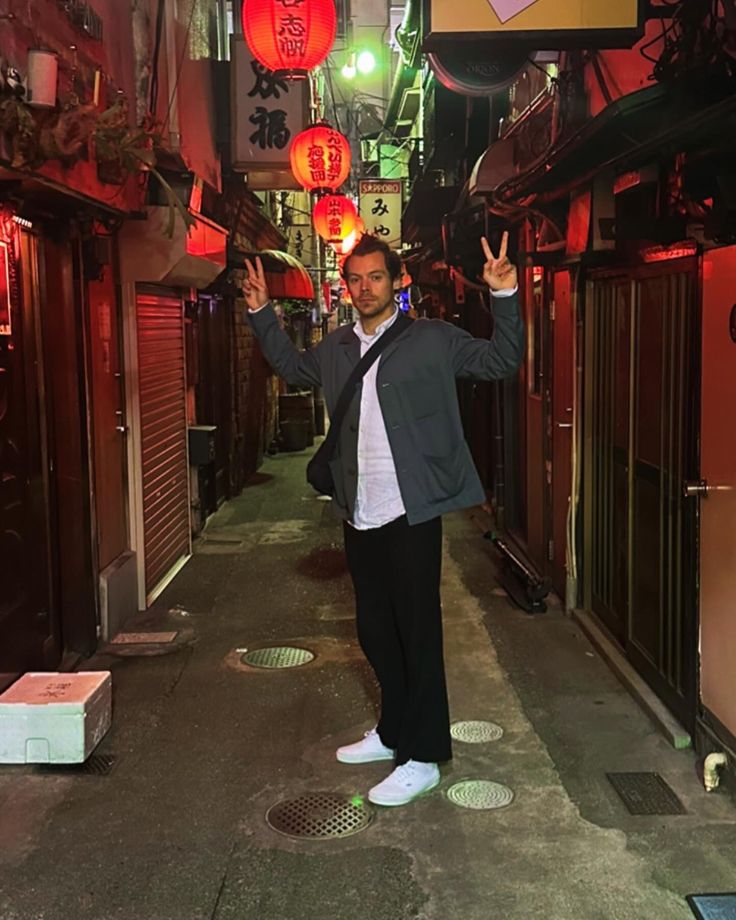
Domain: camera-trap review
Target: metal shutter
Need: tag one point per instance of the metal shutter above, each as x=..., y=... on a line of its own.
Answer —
x=165, y=472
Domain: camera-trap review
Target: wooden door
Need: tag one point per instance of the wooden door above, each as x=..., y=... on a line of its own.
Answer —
x=69, y=435
x=109, y=423
x=563, y=324
x=642, y=445
x=717, y=494
x=29, y=627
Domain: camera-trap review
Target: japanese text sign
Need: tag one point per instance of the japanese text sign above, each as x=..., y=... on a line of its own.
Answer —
x=380, y=207
x=267, y=112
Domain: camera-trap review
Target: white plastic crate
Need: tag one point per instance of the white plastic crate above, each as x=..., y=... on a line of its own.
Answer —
x=54, y=718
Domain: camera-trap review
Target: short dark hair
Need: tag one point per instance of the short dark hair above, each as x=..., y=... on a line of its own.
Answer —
x=368, y=244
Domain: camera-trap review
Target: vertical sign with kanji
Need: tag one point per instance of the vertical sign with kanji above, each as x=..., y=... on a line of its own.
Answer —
x=267, y=112
x=380, y=208
x=5, y=327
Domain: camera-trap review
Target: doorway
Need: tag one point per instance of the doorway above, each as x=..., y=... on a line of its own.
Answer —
x=641, y=421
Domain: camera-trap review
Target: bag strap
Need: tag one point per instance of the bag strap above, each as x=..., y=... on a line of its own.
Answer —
x=400, y=324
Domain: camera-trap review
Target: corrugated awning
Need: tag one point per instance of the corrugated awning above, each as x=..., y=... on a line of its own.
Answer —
x=286, y=277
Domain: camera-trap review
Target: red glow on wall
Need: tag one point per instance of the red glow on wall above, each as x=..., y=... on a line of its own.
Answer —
x=320, y=158
x=335, y=218
x=5, y=327
x=290, y=35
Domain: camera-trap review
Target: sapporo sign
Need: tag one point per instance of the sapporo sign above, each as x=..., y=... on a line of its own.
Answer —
x=380, y=208
x=554, y=23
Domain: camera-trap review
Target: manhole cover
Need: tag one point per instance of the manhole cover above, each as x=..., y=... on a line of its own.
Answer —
x=480, y=794
x=713, y=906
x=278, y=657
x=646, y=794
x=476, y=732
x=320, y=815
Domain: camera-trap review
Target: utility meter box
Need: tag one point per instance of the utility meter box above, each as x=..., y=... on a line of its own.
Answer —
x=54, y=718
x=201, y=444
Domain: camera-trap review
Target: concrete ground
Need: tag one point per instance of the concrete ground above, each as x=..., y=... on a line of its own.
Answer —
x=205, y=745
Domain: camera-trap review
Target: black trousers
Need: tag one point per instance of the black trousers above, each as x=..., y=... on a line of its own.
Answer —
x=396, y=574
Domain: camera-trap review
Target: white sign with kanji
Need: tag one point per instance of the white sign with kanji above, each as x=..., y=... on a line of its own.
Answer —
x=380, y=207
x=267, y=112
x=303, y=244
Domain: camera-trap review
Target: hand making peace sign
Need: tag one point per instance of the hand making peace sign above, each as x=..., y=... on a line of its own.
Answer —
x=255, y=290
x=498, y=272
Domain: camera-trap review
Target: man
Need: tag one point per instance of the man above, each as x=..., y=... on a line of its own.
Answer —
x=401, y=462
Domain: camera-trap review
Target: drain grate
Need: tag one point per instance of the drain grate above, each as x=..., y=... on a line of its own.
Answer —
x=476, y=732
x=320, y=815
x=144, y=638
x=713, y=906
x=282, y=656
x=646, y=794
x=480, y=794
x=94, y=765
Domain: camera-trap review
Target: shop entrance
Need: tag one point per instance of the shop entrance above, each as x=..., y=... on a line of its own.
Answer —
x=641, y=425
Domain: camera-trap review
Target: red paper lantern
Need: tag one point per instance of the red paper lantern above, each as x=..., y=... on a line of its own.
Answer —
x=291, y=35
x=334, y=217
x=320, y=158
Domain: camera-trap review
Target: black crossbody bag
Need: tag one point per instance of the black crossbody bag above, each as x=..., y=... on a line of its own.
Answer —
x=319, y=475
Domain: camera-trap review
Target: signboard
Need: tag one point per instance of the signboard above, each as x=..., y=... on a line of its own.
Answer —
x=267, y=112
x=381, y=204
x=303, y=244
x=540, y=23
x=5, y=327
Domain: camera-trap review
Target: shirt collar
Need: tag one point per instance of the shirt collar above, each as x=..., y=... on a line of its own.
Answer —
x=369, y=339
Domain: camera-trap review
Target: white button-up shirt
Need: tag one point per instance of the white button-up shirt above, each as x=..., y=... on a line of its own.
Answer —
x=379, y=499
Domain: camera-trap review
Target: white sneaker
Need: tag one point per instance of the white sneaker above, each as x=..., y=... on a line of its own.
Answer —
x=368, y=750
x=407, y=782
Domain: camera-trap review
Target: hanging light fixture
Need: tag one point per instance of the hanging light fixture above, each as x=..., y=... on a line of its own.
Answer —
x=290, y=35
x=334, y=217
x=320, y=158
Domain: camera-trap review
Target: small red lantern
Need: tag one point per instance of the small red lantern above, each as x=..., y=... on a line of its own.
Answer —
x=346, y=246
x=320, y=158
x=291, y=35
x=334, y=217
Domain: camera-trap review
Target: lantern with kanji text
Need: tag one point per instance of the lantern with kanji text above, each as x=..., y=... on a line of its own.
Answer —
x=334, y=217
x=320, y=158
x=290, y=35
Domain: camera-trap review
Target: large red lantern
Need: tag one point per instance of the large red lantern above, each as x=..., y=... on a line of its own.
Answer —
x=334, y=217
x=320, y=158
x=291, y=35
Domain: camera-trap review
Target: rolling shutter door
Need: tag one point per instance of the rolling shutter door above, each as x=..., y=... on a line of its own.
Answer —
x=165, y=472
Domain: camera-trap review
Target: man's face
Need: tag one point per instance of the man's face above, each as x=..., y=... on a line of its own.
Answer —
x=370, y=285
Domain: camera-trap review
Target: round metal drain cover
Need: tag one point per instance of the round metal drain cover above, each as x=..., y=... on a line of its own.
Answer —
x=480, y=794
x=319, y=816
x=278, y=657
x=476, y=732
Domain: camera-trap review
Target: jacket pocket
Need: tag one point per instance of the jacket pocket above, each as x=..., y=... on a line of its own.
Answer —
x=446, y=474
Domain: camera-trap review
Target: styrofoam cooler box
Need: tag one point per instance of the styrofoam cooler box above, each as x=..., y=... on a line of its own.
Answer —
x=54, y=718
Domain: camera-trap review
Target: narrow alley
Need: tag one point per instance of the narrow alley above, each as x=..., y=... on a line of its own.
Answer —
x=203, y=745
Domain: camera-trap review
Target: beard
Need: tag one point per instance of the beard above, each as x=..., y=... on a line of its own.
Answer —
x=371, y=308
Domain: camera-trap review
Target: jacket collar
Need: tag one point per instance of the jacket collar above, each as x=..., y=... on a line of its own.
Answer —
x=349, y=337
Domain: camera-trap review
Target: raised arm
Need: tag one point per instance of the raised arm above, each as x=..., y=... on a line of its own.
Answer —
x=300, y=368
x=503, y=354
